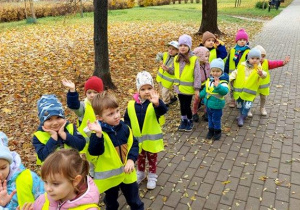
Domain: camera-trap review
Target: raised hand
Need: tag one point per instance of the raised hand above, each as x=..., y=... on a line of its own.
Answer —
x=53, y=133
x=95, y=126
x=154, y=98
x=217, y=81
x=61, y=132
x=286, y=60
x=5, y=198
x=129, y=167
x=260, y=72
x=69, y=84
x=26, y=206
x=164, y=67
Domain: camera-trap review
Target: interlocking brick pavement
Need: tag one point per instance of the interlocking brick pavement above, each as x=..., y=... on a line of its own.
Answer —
x=192, y=172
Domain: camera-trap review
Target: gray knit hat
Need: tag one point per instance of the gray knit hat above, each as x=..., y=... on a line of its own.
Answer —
x=217, y=63
x=254, y=53
x=4, y=150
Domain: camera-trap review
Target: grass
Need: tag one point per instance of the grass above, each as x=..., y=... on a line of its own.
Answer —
x=180, y=13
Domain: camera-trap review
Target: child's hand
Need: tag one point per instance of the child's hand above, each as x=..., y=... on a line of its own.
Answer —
x=217, y=42
x=286, y=60
x=61, y=131
x=129, y=167
x=217, y=81
x=154, y=98
x=4, y=197
x=53, y=133
x=164, y=67
x=95, y=126
x=260, y=72
x=26, y=206
x=69, y=84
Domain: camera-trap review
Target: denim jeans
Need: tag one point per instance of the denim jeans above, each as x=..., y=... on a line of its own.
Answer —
x=214, y=118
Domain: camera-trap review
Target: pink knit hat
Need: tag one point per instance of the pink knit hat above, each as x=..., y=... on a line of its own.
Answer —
x=201, y=52
x=241, y=34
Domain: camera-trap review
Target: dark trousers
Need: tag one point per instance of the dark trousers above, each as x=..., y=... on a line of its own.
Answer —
x=185, y=105
x=131, y=193
x=214, y=118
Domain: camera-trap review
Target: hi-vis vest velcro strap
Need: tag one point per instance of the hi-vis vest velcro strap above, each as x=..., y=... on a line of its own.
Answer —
x=153, y=137
x=165, y=77
x=245, y=90
x=108, y=174
x=264, y=86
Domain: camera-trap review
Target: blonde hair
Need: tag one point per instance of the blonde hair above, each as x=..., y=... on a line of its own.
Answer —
x=66, y=162
x=102, y=101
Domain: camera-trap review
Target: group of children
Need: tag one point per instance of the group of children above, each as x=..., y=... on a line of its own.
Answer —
x=109, y=147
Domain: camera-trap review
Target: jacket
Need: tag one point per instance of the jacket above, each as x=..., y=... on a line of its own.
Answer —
x=221, y=50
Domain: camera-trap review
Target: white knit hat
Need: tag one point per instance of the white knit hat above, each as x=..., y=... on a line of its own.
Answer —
x=4, y=150
x=261, y=49
x=174, y=44
x=143, y=78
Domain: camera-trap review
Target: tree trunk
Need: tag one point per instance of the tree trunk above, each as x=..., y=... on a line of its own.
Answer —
x=25, y=1
x=32, y=10
x=81, y=9
x=101, y=43
x=209, y=20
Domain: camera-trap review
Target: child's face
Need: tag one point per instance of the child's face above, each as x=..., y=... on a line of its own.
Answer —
x=90, y=94
x=111, y=116
x=183, y=49
x=4, y=169
x=54, y=123
x=215, y=72
x=209, y=43
x=172, y=51
x=241, y=42
x=59, y=188
x=254, y=60
x=205, y=58
x=145, y=91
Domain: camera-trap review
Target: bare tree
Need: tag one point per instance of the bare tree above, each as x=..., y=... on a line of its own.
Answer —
x=101, y=43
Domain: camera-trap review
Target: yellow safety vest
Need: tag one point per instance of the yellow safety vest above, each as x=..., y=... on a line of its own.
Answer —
x=246, y=89
x=264, y=87
x=24, y=185
x=232, y=66
x=212, y=55
x=109, y=169
x=163, y=76
x=209, y=90
x=43, y=137
x=185, y=81
x=81, y=207
x=151, y=137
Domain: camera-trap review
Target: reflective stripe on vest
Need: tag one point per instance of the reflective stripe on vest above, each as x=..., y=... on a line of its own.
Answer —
x=163, y=76
x=246, y=89
x=264, y=87
x=209, y=90
x=81, y=207
x=151, y=137
x=44, y=137
x=232, y=66
x=108, y=168
x=185, y=81
x=24, y=184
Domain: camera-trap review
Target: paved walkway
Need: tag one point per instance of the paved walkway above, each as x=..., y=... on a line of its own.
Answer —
x=255, y=167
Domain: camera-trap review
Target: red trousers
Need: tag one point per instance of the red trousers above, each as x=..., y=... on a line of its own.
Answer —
x=152, y=160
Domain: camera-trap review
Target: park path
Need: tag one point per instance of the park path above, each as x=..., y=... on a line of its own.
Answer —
x=253, y=167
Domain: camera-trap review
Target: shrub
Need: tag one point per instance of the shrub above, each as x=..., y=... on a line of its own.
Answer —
x=146, y=3
x=261, y=4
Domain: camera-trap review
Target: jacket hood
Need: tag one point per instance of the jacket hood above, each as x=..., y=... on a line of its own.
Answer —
x=111, y=129
x=224, y=76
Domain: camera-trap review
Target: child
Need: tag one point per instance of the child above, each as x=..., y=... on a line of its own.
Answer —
x=203, y=54
x=216, y=47
x=164, y=79
x=216, y=87
x=54, y=131
x=264, y=88
x=18, y=185
x=246, y=80
x=67, y=183
x=142, y=115
x=236, y=56
x=117, y=150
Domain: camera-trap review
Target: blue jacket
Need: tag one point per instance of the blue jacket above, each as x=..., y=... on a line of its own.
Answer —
x=119, y=135
x=226, y=68
x=221, y=50
x=213, y=102
x=76, y=141
x=141, y=109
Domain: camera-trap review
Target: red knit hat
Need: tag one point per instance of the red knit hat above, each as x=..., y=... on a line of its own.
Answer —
x=94, y=83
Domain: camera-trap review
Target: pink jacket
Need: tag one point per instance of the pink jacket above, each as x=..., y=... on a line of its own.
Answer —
x=90, y=196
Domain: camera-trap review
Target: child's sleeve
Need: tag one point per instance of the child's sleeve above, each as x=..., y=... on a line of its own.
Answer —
x=96, y=145
x=159, y=57
x=43, y=150
x=134, y=150
x=74, y=103
x=202, y=94
x=221, y=51
x=161, y=109
x=226, y=68
x=197, y=75
x=275, y=64
x=76, y=141
x=233, y=75
x=222, y=89
x=126, y=118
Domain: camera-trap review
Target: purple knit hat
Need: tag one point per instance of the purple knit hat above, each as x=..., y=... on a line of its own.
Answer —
x=186, y=40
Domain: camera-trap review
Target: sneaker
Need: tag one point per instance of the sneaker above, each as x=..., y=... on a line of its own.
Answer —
x=183, y=125
x=217, y=134
x=210, y=133
x=152, y=179
x=174, y=99
x=140, y=176
x=250, y=114
x=232, y=104
x=263, y=111
x=196, y=117
x=205, y=117
x=189, y=126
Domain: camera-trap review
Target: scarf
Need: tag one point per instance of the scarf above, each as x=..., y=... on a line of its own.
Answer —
x=239, y=49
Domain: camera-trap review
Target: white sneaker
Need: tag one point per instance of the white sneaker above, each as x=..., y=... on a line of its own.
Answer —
x=140, y=176
x=152, y=179
x=250, y=114
x=263, y=111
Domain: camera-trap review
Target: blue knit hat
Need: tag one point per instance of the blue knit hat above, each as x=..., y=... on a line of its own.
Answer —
x=254, y=53
x=4, y=150
x=48, y=106
x=186, y=40
x=217, y=63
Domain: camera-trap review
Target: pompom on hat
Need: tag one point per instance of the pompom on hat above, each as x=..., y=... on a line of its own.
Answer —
x=185, y=40
x=143, y=78
x=206, y=35
x=94, y=83
x=4, y=150
x=241, y=34
x=48, y=106
x=217, y=63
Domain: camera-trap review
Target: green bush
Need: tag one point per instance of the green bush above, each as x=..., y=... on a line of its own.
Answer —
x=146, y=3
x=262, y=4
